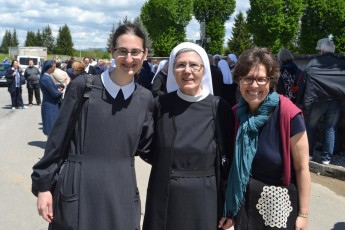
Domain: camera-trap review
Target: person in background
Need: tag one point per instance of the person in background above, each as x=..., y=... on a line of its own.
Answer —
x=231, y=59
x=216, y=59
x=60, y=77
x=32, y=76
x=78, y=68
x=89, y=69
x=154, y=66
x=145, y=76
x=51, y=97
x=324, y=91
x=69, y=69
x=217, y=78
x=102, y=66
x=186, y=183
x=229, y=91
x=271, y=151
x=14, y=78
x=6, y=61
x=318, y=44
x=159, y=81
x=97, y=188
x=290, y=75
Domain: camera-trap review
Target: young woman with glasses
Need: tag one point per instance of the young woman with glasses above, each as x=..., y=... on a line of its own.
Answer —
x=96, y=188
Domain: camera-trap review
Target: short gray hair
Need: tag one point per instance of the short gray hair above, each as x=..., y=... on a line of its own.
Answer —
x=328, y=47
x=284, y=55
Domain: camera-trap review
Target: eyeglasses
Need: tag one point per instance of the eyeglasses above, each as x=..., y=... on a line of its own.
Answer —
x=250, y=80
x=123, y=52
x=193, y=67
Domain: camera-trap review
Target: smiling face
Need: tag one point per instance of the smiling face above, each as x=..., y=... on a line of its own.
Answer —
x=189, y=80
x=254, y=93
x=127, y=65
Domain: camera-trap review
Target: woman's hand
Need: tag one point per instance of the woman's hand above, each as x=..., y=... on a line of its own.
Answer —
x=45, y=205
x=301, y=223
x=226, y=223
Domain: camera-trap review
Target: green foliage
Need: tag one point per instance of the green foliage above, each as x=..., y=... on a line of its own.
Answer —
x=214, y=13
x=30, y=39
x=168, y=18
x=39, y=39
x=44, y=39
x=14, y=40
x=64, y=44
x=241, y=38
x=48, y=39
x=110, y=38
x=9, y=40
x=216, y=31
x=321, y=19
x=274, y=23
x=164, y=43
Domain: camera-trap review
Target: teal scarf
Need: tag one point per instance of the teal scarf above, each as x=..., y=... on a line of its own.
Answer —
x=245, y=149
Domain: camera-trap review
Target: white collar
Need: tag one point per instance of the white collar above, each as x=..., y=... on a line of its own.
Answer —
x=113, y=88
x=204, y=93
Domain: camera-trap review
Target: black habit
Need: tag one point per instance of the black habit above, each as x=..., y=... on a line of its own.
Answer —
x=97, y=186
x=185, y=190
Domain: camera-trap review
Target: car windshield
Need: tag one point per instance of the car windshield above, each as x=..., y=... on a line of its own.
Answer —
x=25, y=60
x=4, y=66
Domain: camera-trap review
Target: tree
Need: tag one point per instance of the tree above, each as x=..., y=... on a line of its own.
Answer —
x=241, y=38
x=14, y=39
x=30, y=39
x=321, y=19
x=6, y=41
x=166, y=23
x=110, y=38
x=48, y=39
x=274, y=23
x=39, y=38
x=64, y=44
x=214, y=14
x=9, y=40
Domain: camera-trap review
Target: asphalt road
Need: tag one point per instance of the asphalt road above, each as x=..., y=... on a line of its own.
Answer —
x=22, y=144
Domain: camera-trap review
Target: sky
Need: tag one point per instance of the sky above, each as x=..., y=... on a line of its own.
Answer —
x=90, y=22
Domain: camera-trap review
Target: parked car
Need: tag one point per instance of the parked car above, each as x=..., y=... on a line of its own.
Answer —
x=3, y=69
x=24, y=61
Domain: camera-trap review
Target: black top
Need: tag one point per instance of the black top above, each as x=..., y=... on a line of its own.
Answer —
x=159, y=85
x=267, y=164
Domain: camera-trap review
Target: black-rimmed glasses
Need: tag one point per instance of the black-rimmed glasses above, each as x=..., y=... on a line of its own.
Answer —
x=259, y=80
x=123, y=52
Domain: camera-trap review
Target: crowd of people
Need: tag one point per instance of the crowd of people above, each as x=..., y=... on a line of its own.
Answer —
x=225, y=136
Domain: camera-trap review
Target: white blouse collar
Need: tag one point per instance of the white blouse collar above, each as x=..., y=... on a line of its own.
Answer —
x=204, y=93
x=113, y=88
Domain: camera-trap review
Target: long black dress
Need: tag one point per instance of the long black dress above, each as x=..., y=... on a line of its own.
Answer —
x=97, y=187
x=185, y=186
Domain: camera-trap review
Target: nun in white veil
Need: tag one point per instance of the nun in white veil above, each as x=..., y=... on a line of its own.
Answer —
x=186, y=178
x=159, y=80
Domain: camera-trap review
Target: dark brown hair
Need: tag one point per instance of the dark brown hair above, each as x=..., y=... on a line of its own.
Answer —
x=128, y=28
x=253, y=58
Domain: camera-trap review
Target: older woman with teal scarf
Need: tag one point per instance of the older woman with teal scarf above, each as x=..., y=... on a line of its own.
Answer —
x=269, y=179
